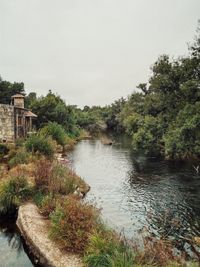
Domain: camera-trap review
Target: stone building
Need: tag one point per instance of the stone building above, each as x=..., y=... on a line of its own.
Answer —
x=15, y=120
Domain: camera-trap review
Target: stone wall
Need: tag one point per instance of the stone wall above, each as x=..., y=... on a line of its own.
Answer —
x=7, y=123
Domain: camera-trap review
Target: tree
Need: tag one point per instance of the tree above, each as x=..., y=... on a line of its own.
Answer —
x=8, y=89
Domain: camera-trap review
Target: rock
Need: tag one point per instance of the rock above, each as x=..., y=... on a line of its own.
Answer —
x=34, y=229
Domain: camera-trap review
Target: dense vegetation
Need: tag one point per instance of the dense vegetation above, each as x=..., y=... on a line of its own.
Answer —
x=163, y=115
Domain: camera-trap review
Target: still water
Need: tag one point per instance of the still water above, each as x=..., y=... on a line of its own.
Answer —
x=140, y=193
x=12, y=253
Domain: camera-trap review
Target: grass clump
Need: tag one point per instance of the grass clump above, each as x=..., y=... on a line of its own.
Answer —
x=106, y=249
x=46, y=203
x=72, y=223
x=42, y=174
x=56, y=131
x=40, y=144
x=13, y=192
x=21, y=157
x=56, y=178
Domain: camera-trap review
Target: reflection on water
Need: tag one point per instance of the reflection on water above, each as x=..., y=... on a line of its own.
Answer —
x=137, y=192
x=12, y=252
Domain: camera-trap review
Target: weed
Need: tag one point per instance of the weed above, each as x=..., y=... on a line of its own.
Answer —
x=72, y=223
x=13, y=192
x=21, y=157
x=107, y=249
x=48, y=205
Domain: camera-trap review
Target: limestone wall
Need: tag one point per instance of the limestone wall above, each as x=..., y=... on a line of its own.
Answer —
x=7, y=123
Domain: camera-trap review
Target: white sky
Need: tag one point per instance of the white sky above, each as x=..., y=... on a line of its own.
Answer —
x=90, y=52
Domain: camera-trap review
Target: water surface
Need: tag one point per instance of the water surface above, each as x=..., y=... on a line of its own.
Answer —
x=138, y=192
x=12, y=253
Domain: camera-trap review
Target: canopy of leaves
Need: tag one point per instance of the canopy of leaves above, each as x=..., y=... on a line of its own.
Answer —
x=8, y=89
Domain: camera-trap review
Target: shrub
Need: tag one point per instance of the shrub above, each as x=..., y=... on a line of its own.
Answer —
x=41, y=174
x=40, y=144
x=60, y=181
x=56, y=131
x=72, y=223
x=21, y=157
x=13, y=192
x=56, y=178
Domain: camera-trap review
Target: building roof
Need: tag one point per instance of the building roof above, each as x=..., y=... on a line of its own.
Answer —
x=28, y=113
x=18, y=96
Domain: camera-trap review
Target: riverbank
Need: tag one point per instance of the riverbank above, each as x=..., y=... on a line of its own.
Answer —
x=73, y=226
x=35, y=230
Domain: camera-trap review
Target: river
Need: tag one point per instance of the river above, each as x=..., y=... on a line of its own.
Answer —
x=12, y=252
x=139, y=193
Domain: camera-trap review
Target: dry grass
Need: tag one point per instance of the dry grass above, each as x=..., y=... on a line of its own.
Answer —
x=72, y=223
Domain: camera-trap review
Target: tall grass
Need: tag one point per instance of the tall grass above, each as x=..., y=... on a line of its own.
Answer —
x=56, y=178
x=106, y=249
x=21, y=157
x=13, y=192
x=72, y=223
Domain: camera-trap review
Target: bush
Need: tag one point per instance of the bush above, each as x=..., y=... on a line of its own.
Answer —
x=40, y=144
x=41, y=174
x=56, y=131
x=21, y=157
x=61, y=181
x=56, y=178
x=13, y=192
x=72, y=224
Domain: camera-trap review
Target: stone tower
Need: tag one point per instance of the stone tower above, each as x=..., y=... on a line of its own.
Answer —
x=18, y=100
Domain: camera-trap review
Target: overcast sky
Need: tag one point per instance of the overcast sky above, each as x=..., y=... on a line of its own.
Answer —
x=91, y=52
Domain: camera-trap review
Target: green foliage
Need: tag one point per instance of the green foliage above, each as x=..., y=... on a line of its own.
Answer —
x=56, y=131
x=51, y=108
x=47, y=204
x=182, y=140
x=13, y=192
x=91, y=119
x=163, y=118
x=38, y=197
x=147, y=137
x=105, y=249
x=72, y=223
x=21, y=157
x=40, y=144
x=30, y=99
x=8, y=89
x=111, y=115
